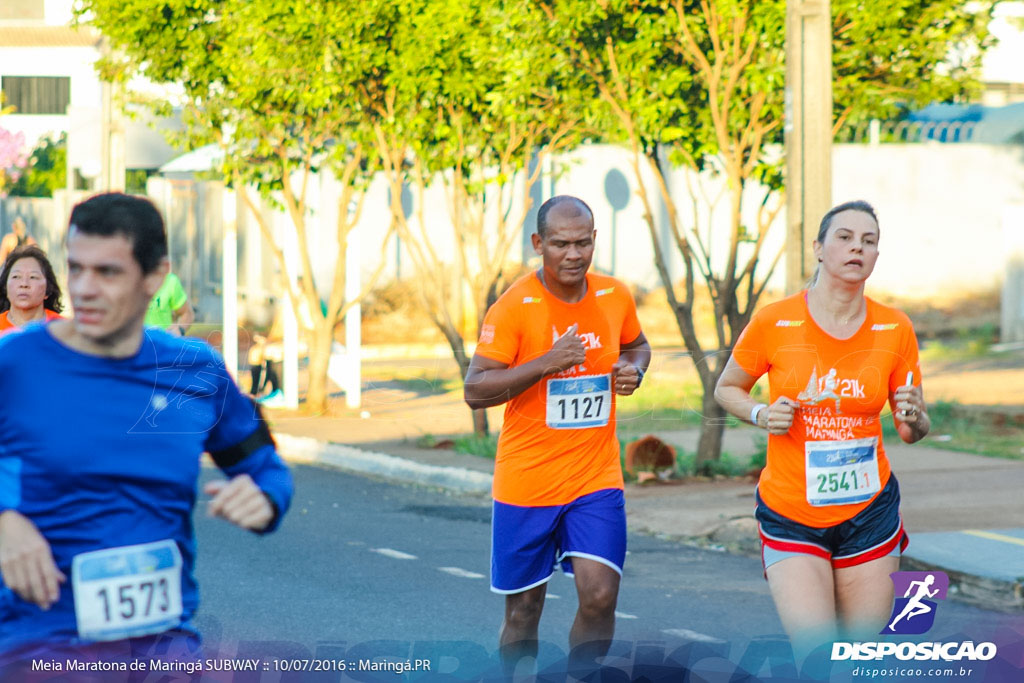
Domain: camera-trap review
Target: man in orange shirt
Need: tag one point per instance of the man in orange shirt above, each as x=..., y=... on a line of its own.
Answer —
x=556, y=348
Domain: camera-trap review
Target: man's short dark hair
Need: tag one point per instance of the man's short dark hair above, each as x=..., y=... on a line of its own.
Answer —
x=545, y=208
x=135, y=218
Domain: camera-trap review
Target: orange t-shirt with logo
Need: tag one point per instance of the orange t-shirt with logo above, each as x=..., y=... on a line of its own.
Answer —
x=833, y=453
x=558, y=440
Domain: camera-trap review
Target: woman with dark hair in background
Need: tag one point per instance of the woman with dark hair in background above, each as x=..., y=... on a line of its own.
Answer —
x=28, y=288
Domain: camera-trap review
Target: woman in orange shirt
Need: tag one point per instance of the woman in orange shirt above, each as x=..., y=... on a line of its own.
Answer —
x=827, y=503
x=28, y=288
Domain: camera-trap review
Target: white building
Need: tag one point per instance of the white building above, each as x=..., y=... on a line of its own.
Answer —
x=47, y=72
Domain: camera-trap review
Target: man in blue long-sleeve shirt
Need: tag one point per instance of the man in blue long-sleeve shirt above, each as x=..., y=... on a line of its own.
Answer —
x=103, y=424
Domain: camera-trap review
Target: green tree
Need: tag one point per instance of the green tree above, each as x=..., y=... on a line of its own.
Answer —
x=699, y=85
x=271, y=83
x=46, y=170
x=490, y=106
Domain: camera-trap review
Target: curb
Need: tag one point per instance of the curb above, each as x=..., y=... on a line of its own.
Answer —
x=308, y=450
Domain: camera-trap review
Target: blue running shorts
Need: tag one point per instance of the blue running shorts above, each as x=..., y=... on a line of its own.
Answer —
x=528, y=542
x=874, y=532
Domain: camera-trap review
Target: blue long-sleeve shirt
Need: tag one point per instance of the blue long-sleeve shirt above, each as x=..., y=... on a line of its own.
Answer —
x=101, y=453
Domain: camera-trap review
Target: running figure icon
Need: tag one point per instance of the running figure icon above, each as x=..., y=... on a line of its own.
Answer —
x=813, y=396
x=915, y=606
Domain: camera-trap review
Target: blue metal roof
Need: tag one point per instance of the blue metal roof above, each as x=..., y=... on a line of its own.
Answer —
x=994, y=125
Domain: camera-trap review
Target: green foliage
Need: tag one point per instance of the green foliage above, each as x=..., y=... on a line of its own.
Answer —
x=887, y=56
x=892, y=55
x=275, y=84
x=272, y=82
x=46, y=170
x=965, y=429
x=135, y=180
x=664, y=403
x=483, y=446
x=759, y=458
x=726, y=466
x=468, y=91
x=968, y=344
x=702, y=84
x=426, y=440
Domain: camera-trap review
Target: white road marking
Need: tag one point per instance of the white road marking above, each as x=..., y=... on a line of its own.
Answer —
x=462, y=573
x=687, y=634
x=623, y=615
x=552, y=596
x=395, y=554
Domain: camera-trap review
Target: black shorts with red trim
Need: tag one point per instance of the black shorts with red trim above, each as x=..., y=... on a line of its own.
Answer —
x=874, y=532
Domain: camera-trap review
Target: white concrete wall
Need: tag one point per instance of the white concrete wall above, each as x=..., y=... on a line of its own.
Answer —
x=941, y=209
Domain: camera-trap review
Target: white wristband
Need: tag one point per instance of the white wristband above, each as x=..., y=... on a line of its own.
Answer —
x=754, y=411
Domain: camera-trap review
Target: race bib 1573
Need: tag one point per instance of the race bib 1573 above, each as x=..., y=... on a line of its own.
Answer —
x=127, y=592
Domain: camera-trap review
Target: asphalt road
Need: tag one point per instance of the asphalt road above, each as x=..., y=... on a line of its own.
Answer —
x=364, y=568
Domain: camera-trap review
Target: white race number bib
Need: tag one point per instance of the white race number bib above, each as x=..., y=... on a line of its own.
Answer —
x=126, y=592
x=841, y=472
x=579, y=402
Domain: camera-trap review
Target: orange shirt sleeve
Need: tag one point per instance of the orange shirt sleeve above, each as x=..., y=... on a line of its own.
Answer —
x=500, y=333
x=630, y=322
x=750, y=352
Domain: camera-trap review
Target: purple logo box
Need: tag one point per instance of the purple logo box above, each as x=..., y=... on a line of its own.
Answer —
x=901, y=583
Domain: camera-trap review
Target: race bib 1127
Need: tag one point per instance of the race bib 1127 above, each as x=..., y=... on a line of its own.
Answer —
x=579, y=402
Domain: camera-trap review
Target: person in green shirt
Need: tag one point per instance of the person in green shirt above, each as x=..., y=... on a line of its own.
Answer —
x=169, y=308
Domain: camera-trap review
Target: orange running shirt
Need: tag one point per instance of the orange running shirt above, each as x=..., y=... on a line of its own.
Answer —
x=538, y=464
x=6, y=324
x=842, y=386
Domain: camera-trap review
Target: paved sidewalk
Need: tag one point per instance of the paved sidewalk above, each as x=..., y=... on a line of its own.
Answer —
x=964, y=513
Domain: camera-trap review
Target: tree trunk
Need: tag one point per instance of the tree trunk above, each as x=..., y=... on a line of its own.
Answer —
x=712, y=427
x=480, y=426
x=319, y=357
x=458, y=347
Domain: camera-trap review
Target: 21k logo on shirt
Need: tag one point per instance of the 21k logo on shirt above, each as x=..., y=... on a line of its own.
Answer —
x=829, y=387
